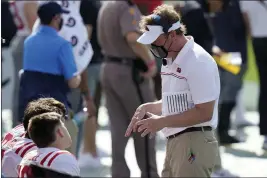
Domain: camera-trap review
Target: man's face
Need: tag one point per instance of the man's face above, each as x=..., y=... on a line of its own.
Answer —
x=63, y=135
x=215, y=5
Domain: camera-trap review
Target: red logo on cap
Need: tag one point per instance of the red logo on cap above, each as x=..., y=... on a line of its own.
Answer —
x=179, y=70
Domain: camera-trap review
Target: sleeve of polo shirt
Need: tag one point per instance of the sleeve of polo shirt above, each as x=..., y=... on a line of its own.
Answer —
x=129, y=20
x=204, y=82
x=67, y=61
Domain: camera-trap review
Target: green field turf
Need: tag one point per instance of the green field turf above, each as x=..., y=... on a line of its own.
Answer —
x=252, y=72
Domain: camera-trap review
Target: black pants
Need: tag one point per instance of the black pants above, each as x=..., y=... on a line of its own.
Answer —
x=260, y=50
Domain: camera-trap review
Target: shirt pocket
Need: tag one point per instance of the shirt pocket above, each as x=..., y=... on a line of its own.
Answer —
x=176, y=102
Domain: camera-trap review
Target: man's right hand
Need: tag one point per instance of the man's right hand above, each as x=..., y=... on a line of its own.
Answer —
x=138, y=115
x=217, y=51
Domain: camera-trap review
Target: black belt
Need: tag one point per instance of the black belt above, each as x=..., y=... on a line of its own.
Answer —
x=123, y=61
x=190, y=129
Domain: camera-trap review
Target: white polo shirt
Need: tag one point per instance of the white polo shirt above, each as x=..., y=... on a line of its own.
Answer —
x=192, y=78
x=257, y=14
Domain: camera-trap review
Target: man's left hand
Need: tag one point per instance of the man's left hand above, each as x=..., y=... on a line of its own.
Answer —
x=150, y=125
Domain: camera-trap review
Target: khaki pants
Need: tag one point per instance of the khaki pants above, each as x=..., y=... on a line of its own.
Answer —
x=73, y=130
x=201, y=147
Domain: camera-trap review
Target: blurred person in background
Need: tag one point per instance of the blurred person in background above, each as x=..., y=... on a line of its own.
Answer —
x=90, y=155
x=123, y=86
x=195, y=17
x=24, y=15
x=48, y=63
x=227, y=13
x=255, y=13
x=9, y=30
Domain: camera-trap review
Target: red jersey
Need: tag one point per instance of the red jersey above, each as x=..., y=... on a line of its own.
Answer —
x=50, y=158
x=16, y=132
x=12, y=153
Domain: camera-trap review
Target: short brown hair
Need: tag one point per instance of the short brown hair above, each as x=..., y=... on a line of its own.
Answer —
x=41, y=106
x=168, y=16
x=42, y=128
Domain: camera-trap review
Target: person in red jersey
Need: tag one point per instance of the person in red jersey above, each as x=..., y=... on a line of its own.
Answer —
x=17, y=142
x=49, y=133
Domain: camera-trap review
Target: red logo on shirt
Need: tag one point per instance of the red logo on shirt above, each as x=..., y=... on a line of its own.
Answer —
x=179, y=70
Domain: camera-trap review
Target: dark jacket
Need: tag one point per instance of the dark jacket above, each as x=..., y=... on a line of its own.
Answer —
x=193, y=16
x=230, y=30
x=8, y=27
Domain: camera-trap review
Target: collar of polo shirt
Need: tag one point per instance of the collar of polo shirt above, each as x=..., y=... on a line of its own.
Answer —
x=154, y=31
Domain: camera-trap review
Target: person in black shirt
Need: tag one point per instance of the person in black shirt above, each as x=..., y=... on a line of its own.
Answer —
x=8, y=27
x=9, y=30
x=194, y=16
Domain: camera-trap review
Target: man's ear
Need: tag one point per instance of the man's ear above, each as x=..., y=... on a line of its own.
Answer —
x=60, y=133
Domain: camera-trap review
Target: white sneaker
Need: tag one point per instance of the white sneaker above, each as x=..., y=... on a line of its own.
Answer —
x=223, y=173
x=88, y=161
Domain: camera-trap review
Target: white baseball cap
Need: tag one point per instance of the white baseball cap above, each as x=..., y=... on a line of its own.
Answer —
x=154, y=31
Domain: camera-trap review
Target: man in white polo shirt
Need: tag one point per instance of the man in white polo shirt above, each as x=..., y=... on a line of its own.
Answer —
x=188, y=111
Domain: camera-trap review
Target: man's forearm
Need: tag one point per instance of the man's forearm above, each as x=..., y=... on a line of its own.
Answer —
x=191, y=117
x=154, y=107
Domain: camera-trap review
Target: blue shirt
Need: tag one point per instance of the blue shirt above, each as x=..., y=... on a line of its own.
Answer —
x=48, y=63
x=47, y=52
